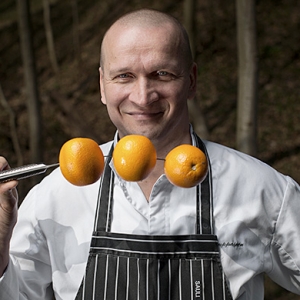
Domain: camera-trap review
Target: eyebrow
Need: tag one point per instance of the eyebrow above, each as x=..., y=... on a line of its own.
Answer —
x=163, y=66
x=119, y=70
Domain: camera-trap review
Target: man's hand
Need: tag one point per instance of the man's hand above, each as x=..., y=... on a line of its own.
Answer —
x=8, y=215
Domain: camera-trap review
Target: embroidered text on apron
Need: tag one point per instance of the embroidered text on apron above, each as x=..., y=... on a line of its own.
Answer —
x=143, y=267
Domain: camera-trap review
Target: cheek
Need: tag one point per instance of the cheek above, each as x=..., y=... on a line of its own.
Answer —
x=114, y=102
x=179, y=94
x=111, y=96
x=113, y=114
x=111, y=107
x=178, y=100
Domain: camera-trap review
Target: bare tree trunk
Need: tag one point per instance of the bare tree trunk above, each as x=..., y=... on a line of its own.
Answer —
x=13, y=129
x=247, y=77
x=33, y=103
x=49, y=36
x=196, y=115
x=189, y=21
x=197, y=118
x=76, y=39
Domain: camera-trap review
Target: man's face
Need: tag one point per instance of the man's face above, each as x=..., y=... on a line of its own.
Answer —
x=145, y=82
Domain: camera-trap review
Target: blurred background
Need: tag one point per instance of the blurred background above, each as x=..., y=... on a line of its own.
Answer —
x=49, y=90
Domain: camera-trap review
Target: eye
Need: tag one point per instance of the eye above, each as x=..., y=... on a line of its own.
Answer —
x=162, y=73
x=123, y=76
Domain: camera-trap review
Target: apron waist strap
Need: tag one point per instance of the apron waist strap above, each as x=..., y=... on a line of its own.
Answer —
x=144, y=246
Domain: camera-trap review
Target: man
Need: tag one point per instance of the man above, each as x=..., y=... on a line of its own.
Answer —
x=152, y=240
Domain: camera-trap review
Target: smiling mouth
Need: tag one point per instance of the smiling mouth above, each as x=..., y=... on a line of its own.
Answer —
x=145, y=115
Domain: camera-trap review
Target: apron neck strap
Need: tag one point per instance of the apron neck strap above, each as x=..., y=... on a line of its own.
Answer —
x=204, y=222
x=105, y=197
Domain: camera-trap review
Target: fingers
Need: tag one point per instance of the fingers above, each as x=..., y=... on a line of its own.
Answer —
x=8, y=215
x=3, y=164
x=8, y=191
x=10, y=184
x=8, y=187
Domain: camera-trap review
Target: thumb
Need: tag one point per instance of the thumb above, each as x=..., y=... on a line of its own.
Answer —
x=8, y=195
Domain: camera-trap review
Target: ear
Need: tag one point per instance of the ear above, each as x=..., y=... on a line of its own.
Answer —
x=102, y=93
x=193, y=81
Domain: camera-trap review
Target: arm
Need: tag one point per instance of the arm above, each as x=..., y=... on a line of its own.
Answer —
x=21, y=276
x=286, y=241
x=8, y=215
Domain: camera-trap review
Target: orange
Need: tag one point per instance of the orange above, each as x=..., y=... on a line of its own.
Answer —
x=81, y=161
x=186, y=166
x=134, y=157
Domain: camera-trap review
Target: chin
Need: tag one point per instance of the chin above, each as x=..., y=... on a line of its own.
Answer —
x=152, y=132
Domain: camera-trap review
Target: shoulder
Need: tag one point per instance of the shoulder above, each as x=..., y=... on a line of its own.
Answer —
x=228, y=160
x=237, y=175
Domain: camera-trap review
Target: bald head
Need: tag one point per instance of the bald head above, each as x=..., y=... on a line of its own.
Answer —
x=146, y=18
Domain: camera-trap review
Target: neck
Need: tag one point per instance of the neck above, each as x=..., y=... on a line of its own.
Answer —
x=147, y=184
x=162, y=150
x=164, y=147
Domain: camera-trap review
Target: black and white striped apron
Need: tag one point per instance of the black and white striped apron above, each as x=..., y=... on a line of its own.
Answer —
x=159, y=267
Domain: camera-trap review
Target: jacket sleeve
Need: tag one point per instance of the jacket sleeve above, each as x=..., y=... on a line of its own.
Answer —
x=285, y=246
x=9, y=287
x=28, y=275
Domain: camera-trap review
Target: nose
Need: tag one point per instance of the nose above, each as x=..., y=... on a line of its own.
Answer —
x=144, y=92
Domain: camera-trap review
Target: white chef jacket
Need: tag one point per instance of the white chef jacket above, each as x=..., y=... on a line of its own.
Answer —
x=256, y=218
